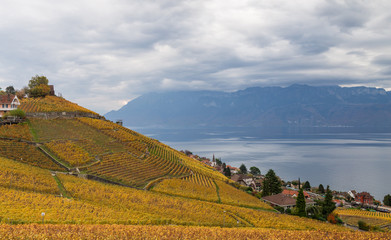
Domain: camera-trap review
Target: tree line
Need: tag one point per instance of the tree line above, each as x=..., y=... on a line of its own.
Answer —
x=38, y=86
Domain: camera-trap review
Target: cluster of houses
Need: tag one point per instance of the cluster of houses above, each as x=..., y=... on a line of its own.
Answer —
x=287, y=198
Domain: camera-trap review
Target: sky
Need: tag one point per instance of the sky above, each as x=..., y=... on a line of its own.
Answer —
x=103, y=53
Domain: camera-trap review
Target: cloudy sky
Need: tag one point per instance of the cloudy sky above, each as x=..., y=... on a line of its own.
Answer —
x=103, y=53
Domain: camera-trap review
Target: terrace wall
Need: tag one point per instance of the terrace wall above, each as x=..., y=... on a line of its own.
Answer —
x=52, y=115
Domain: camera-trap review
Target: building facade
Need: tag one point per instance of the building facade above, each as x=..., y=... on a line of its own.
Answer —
x=8, y=102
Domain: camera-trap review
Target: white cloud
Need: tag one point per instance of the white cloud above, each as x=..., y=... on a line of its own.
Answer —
x=103, y=52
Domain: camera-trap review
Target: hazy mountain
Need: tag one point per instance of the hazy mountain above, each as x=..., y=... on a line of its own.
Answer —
x=297, y=105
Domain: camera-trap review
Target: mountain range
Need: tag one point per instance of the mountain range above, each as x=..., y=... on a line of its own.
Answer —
x=296, y=105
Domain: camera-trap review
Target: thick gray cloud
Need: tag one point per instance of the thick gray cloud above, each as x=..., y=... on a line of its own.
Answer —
x=104, y=53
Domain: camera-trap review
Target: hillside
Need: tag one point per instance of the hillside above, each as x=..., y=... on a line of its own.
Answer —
x=80, y=171
x=294, y=106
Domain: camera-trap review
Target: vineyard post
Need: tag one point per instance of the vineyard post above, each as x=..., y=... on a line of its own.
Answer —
x=43, y=217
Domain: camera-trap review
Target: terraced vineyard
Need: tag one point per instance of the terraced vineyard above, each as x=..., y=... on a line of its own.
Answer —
x=69, y=152
x=51, y=104
x=186, y=188
x=129, y=169
x=233, y=196
x=94, y=202
x=61, y=231
x=352, y=216
x=16, y=131
x=26, y=153
x=19, y=176
x=203, y=188
x=184, y=192
x=362, y=213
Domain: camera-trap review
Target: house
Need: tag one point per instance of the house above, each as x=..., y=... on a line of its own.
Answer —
x=219, y=168
x=364, y=198
x=294, y=193
x=234, y=170
x=8, y=102
x=244, y=180
x=284, y=200
x=352, y=194
x=206, y=162
x=339, y=202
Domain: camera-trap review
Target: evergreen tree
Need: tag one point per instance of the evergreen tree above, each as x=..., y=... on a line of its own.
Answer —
x=227, y=172
x=218, y=161
x=255, y=171
x=300, y=204
x=307, y=186
x=243, y=169
x=321, y=189
x=328, y=205
x=271, y=184
x=387, y=200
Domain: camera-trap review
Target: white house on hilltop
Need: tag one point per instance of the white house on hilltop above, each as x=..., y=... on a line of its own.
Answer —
x=8, y=102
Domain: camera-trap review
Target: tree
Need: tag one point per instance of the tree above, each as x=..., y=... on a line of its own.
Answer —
x=300, y=204
x=39, y=91
x=227, y=172
x=188, y=153
x=321, y=189
x=271, y=184
x=38, y=86
x=328, y=205
x=219, y=162
x=243, y=169
x=255, y=171
x=10, y=90
x=38, y=80
x=294, y=183
x=387, y=200
x=307, y=185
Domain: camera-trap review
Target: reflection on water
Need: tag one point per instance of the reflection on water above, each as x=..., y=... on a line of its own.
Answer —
x=345, y=161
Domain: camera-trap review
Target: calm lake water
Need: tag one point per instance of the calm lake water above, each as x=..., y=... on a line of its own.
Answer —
x=345, y=161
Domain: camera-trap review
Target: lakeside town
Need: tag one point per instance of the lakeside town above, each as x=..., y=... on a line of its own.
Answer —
x=252, y=181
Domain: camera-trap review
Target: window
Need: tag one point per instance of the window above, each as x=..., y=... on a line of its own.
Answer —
x=6, y=106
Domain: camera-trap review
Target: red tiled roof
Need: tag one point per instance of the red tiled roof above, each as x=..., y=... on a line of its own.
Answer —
x=293, y=192
x=6, y=98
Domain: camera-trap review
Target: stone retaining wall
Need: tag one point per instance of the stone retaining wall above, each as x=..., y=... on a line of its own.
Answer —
x=51, y=115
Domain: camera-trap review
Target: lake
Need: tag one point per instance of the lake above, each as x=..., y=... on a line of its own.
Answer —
x=341, y=158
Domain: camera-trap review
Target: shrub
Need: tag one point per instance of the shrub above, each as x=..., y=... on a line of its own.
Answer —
x=280, y=209
x=332, y=218
x=363, y=225
x=16, y=113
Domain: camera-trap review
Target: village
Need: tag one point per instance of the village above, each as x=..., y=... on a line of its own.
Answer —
x=285, y=201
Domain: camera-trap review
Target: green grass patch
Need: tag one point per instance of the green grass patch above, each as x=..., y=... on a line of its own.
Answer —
x=63, y=191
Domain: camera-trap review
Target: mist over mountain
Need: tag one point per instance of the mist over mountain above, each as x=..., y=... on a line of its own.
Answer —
x=296, y=105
